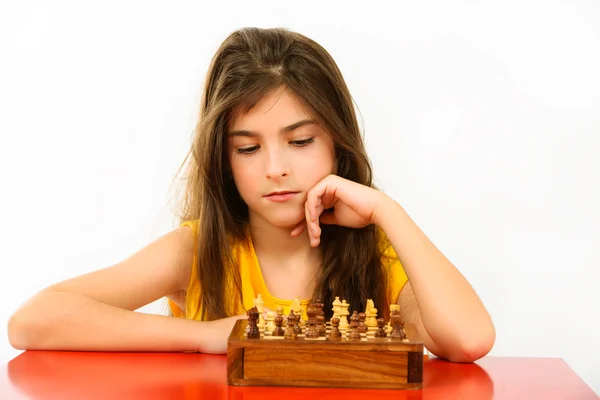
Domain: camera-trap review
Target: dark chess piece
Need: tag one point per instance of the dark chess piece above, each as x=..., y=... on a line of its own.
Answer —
x=321, y=329
x=321, y=325
x=354, y=333
x=362, y=326
x=253, y=331
x=278, y=325
x=297, y=327
x=381, y=333
x=290, y=332
x=335, y=333
x=311, y=330
x=397, y=326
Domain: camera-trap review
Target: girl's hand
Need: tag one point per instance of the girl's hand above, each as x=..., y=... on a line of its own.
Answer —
x=335, y=200
x=214, y=334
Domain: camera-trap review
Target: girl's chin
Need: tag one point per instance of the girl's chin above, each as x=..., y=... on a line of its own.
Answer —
x=284, y=220
x=286, y=223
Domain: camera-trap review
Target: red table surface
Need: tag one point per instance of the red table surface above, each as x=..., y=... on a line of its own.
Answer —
x=113, y=376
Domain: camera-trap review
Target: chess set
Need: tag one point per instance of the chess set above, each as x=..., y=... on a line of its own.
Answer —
x=355, y=350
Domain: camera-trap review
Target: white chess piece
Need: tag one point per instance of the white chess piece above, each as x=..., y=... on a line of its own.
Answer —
x=344, y=316
x=371, y=320
x=336, y=307
x=369, y=305
x=270, y=326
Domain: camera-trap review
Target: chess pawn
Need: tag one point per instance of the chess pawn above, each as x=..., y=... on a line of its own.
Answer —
x=279, y=310
x=381, y=333
x=335, y=333
x=297, y=327
x=362, y=327
x=354, y=333
x=259, y=303
x=290, y=332
x=397, y=326
x=253, y=331
x=343, y=316
x=278, y=331
x=270, y=326
x=321, y=325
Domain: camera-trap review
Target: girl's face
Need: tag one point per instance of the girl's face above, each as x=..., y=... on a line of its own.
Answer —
x=277, y=153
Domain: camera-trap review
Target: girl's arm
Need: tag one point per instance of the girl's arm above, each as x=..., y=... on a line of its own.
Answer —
x=437, y=299
x=95, y=311
x=454, y=323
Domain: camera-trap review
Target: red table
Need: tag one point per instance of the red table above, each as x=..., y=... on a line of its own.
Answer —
x=113, y=376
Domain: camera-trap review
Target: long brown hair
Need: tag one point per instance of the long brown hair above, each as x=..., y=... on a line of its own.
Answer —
x=250, y=64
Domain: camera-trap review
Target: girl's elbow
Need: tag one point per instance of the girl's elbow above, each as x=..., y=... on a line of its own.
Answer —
x=17, y=330
x=476, y=347
x=22, y=331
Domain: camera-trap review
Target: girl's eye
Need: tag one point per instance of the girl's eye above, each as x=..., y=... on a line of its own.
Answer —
x=247, y=150
x=302, y=143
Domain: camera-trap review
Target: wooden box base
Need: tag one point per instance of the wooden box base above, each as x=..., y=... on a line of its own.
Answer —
x=371, y=362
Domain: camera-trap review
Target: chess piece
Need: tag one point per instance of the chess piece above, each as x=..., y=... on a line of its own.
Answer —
x=321, y=329
x=393, y=307
x=278, y=310
x=321, y=325
x=354, y=333
x=297, y=307
x=311, y=330
x=397, y=326
x=253, y=331
x=336, y=307
x=371, y=320
x=270, y=322
x=369, y=305
x=259, y=303
x=381, y=333
x=335, y=333
x=362, y=327
x=297, y=327
x=290, y=332
x=278, y=331
x=343, y=316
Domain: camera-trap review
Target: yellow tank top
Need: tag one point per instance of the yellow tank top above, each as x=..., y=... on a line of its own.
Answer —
x=253, y=283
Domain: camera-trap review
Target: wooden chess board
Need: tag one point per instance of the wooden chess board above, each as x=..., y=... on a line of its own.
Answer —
x=368, y=362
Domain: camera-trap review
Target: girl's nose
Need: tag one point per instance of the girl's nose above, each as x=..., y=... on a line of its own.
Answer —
x=277, y=166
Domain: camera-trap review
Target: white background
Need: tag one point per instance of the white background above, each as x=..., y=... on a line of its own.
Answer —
x=482, y=120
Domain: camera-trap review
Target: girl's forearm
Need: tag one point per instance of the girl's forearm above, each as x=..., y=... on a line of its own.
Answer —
x=451, y=311
x=71, y=321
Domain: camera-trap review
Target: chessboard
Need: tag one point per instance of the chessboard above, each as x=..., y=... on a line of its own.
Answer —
x=319, y=353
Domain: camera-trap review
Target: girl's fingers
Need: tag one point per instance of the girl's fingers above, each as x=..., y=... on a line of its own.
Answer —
x=321, y=197
x=309, y=224
x=328, y=218
x=313, y=200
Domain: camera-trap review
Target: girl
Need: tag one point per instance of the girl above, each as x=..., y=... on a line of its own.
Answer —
x=279, y=202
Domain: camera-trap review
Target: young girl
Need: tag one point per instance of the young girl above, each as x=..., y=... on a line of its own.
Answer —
x=279, y=202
